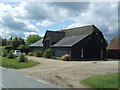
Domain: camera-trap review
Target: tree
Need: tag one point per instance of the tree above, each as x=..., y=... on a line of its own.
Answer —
x=32, y=39
x=0, y=41
x=4, y=42
x=16, y=42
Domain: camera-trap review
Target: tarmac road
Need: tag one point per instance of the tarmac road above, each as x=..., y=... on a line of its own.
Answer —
x=11, y=79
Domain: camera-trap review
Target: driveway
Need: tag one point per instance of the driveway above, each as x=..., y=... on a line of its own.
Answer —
x=68, y=73
x=11, y=79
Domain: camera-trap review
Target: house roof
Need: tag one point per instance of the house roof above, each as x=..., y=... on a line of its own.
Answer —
x=74, y=35
x=38, y=43
x=55, y=36
x=69, y=41
x=67, y=37
x=114, y=43
x=78, y=30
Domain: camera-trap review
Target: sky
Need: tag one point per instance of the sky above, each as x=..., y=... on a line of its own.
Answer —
x=20, y=19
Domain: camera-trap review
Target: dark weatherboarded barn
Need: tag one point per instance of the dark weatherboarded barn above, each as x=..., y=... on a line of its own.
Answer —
x=114, y=48
x=85, y=42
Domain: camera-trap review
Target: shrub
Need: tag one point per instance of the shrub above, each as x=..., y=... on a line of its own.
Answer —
x=4, y=53
x=30, y=54
x=38, y=54
x=48, y=53
x=66, y=57
x=53, y=57
x=22, y=58
x=10, y=55
x=0, y=51
x=57, y=58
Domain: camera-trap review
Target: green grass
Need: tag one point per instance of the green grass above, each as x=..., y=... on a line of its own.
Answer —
x=14, y=63
x=103, y=81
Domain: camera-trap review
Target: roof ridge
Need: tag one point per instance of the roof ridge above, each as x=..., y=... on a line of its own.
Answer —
x=75, y=28
x=54, y=31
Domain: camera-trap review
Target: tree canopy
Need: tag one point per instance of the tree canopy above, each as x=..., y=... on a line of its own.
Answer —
x=33, y=38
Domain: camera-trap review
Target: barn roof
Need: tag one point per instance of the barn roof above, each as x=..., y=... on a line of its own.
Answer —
x=70, y=41
x=67, y=37
x=74, y=35
x=38, y=43
x=114, y=43
x=54, y=36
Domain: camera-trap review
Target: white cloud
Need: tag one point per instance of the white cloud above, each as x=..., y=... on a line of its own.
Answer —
x=76, y=25
x=11, y=25
x=45, y=23
x=103, y=15
x=19, y=18
x=29, y=33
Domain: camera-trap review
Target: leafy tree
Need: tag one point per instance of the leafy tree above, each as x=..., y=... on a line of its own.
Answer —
x=0, y=41
x=32, y=39
x=4, y=42
x=17, y=42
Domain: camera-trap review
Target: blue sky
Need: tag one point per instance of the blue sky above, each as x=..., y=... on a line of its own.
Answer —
x=26, y=18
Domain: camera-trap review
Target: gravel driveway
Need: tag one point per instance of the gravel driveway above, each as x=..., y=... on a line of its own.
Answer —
x=68, y=73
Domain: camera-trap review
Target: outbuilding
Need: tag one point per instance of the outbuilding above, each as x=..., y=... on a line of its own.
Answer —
x=85, y=42
x=114, y=48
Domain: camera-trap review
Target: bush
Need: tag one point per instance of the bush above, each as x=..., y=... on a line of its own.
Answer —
x=10, y=55
x=38, y=54
x=22, y=58
x=0, y=51
x=4, y=53
x=30, y=54
x=57, y=58
x=66, y=57
x=48, y=53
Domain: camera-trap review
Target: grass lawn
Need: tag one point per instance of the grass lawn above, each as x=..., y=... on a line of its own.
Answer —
x=14, y=63
x=103, y=81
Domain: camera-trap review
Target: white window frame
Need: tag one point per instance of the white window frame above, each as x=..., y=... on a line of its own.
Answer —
x=101, y=53
x=82, y=53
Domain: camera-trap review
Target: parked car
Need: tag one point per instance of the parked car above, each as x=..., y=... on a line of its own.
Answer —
x=16, y=53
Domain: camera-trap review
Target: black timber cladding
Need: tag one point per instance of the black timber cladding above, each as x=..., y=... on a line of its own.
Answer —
x=88, y=39
x=54, y=36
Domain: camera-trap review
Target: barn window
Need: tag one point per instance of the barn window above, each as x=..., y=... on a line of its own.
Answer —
x=82, y=53
x=96, y=33
x=101, y=40
x=101, y=53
